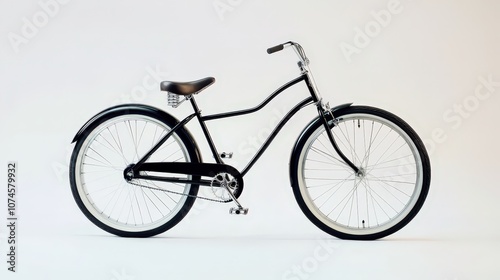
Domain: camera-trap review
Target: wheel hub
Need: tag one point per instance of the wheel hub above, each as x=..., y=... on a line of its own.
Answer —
x=361, y=173
x=128, y=173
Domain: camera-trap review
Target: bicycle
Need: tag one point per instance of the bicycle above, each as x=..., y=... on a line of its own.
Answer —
x=357, y=172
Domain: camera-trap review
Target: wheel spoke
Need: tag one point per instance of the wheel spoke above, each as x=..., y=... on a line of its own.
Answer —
x=347, y=146
x=339, y=184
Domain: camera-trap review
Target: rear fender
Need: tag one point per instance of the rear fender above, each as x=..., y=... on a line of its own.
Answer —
x=135, y=108
x=116, y=110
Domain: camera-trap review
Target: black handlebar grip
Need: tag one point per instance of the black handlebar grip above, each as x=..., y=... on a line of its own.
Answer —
x=275, y=49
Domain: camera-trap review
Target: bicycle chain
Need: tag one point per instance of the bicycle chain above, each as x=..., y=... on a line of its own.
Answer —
x=188, y=195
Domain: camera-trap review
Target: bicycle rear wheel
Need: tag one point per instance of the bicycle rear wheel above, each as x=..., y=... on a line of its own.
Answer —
x=97, y=166
x=384, y=197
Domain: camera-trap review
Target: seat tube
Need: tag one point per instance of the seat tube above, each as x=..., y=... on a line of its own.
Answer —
x=205, y=131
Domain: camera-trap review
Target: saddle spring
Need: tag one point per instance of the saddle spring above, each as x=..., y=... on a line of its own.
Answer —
x=173, y=99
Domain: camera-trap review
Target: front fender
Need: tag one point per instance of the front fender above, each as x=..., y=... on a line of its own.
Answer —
x=118, y=109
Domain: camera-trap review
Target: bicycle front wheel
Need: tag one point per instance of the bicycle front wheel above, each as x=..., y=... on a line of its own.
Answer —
x=137, y=208
x=388, y=192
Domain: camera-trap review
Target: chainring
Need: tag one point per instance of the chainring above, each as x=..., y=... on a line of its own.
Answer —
x=218, y=186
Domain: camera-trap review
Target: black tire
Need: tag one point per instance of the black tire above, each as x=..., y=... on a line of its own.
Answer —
x=97, y=153
x=393, y=183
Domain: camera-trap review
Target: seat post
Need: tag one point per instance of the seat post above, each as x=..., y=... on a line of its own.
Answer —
x=195, y=106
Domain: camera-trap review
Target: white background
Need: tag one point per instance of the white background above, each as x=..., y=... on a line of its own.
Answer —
x=88, y=55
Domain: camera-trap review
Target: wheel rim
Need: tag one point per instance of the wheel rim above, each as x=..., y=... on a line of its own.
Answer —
x=99, y=174
x=377, y=199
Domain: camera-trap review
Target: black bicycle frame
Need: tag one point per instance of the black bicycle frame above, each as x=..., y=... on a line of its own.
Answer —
x=202, y=119
x=273, y=134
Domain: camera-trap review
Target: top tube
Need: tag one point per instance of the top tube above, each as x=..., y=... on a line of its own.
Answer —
x=258, y=107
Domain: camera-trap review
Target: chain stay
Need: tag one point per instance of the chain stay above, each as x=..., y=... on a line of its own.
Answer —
x=178, y=193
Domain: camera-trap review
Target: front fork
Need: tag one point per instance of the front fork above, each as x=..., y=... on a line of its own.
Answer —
x=325, y=113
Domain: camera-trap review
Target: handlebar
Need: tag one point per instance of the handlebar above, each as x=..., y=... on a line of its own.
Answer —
x=297, y=47
x=275, y=49
x=303, y=64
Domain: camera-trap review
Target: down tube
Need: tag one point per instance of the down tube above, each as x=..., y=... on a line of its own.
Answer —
x=268, y=141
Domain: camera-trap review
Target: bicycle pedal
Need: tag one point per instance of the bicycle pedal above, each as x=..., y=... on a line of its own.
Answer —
x=226, y=155
x=238, y=211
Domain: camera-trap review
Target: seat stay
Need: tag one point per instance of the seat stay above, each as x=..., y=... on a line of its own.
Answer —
x=161, y=141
